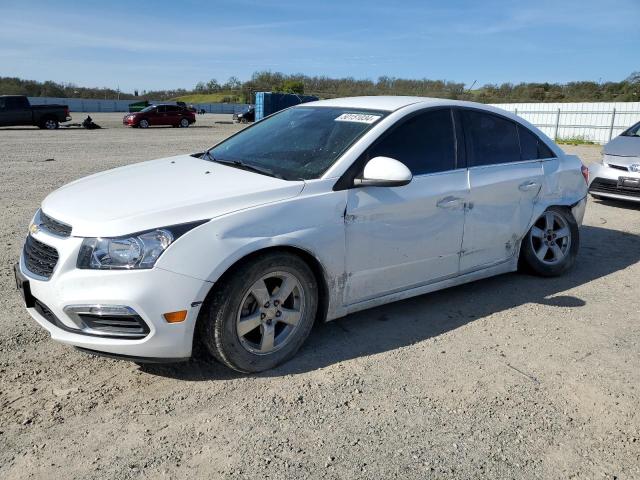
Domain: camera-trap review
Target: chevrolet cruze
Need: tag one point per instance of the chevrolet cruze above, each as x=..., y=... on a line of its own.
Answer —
x=315, y=212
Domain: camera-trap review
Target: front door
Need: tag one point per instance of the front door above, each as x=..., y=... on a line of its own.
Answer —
x=398, y=238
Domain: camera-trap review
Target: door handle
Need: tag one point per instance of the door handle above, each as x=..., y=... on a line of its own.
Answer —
x=529, y=185
x=449, y=202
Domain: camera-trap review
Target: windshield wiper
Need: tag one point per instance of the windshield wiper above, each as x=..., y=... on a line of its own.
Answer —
x=246, y=166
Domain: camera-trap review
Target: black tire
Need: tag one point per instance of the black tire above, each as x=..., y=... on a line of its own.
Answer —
x=184, y=123
x=143, y=123
x=218, y=325
x=49, y=123
x=533, y=245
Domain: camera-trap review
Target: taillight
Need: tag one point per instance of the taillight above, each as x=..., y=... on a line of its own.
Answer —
x=585, y=173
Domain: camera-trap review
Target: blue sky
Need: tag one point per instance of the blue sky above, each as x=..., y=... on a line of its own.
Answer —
x=171, y=44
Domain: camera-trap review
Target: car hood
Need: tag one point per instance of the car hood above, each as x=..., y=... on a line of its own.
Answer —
x=623, y=146
x=160, y=193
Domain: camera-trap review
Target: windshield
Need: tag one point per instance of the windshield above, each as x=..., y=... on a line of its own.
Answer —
x=149, y=108
x=633, y=131
x=297, y=143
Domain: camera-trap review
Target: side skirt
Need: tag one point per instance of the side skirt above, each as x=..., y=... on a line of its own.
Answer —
x=510, y=265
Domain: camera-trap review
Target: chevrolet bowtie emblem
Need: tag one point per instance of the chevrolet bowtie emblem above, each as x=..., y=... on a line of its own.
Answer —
x=34, y=228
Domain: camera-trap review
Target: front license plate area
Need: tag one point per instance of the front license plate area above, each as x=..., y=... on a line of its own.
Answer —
x=629, y=183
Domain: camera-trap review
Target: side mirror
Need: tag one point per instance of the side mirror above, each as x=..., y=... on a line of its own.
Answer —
x=384, y=172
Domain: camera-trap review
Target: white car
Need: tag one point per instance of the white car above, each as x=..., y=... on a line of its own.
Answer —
x=313, y=213
x=617, y=176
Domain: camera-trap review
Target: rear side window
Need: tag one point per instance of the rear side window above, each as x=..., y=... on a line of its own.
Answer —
x=531, y=147
x=424, y=143
x=14, y=103
x=490, y=139
x=172, y=108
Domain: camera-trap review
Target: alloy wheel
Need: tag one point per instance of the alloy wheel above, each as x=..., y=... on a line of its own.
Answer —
x=269, y=312
x=550, y=238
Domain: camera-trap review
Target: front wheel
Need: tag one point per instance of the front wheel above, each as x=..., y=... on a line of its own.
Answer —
x=551, y=246
x=184, y=123
x=262, y=314
x=143, y=123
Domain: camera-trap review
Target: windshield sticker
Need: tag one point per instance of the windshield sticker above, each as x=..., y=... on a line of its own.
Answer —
x=358, y=117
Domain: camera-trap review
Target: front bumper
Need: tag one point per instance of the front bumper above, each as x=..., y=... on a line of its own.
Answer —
x=605, y=181
x=150, y=293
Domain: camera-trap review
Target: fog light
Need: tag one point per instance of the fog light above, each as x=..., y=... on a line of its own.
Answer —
x=175, y=317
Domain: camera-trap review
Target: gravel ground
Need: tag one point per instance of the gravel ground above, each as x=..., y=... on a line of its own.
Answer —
x=511, y=377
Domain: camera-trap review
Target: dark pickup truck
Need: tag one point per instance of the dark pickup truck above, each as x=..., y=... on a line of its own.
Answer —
x=16, y=110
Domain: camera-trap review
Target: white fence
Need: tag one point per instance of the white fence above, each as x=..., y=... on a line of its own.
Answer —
x=596, y=122
x=95, y=105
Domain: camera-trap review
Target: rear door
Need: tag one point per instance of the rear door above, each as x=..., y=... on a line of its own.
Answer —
x=399, y=238
x=174, y=115
x=505, y=183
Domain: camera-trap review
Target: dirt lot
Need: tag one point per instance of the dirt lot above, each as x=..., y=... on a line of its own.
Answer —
x=511, y=377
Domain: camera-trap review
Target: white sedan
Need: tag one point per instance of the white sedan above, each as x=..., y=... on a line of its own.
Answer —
x=313, y=213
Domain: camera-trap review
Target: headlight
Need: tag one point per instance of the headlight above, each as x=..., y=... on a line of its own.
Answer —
x=138, y=251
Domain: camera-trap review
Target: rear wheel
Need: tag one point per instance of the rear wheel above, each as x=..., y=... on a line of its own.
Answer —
x=184, y=123
x=262, y=314
x=49, y=124
x=143, y=123
x=551, y=246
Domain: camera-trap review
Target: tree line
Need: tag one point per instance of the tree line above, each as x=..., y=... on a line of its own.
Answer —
x=235, y=90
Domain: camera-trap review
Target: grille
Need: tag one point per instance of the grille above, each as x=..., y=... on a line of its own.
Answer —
x=40, y=259
x=116, y=325
x=54, y=226
x=619, y=167
x=605, y=185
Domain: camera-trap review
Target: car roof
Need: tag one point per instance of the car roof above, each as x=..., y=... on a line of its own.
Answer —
x=390, y=103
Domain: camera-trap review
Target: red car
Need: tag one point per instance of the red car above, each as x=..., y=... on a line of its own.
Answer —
x=173, y=115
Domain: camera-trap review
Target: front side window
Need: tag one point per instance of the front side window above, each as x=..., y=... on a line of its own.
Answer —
x=425, y=143
x=297, y=143
x=490, y=139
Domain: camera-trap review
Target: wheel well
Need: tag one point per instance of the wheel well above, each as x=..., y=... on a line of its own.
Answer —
x=310, y=260
x=534, y=220
x=48, y=116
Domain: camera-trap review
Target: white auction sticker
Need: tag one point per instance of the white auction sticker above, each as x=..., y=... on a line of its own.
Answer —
x=358, y=117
